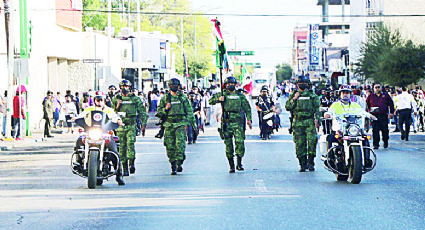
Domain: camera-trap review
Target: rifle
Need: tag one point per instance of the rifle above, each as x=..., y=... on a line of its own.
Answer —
x=162, y=120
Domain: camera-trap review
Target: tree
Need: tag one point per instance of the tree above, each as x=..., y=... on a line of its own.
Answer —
x=375, y=50
x=402, y=66
x=283, y=72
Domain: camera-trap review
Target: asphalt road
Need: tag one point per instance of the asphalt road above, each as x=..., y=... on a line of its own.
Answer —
x=38, y=190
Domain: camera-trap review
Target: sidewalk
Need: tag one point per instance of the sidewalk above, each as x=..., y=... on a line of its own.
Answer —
x=60, y=137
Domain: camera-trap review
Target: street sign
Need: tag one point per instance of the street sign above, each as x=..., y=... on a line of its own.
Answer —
x=255, y=65
x=92, y=60
x=240, y=53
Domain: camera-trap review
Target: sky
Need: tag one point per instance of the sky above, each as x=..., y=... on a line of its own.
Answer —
x=269, y=37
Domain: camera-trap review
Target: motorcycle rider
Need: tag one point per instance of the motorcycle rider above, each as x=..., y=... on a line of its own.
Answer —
x=264, y=104
x=129, y=107
x=99, y=105
x=340, y=107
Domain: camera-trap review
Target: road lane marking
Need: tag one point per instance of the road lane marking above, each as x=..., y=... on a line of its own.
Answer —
x=259, y=184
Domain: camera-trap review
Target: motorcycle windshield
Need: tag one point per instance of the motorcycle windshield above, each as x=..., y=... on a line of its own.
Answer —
x=97, y=119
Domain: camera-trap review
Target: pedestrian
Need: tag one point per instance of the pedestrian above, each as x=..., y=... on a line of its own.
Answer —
x=70, y=111
x=207, y=107
x=77, y=102
x=396, y=115
x=177, y=110
x=405, y=105
x=154, y=101
x=5, y=114
x=19, y=113
x=48, y=111
x=232, y=126
x=381, y=106
x=129, y=107
x=57, y=104
x=2, y=110
x=305, y=106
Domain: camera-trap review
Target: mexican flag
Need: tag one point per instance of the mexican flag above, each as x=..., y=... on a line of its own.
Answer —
x=220, y=47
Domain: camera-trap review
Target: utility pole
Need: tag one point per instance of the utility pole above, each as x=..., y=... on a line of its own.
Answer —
x=139, y=47
x=8, y=15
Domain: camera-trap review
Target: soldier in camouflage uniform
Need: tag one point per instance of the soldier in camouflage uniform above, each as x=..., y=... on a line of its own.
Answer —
x=128, y=106
x=235, y=105
x=304, y=104
x=177, y=112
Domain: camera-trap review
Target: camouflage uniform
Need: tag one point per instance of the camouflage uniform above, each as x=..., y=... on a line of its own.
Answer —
x=132, y=106
x=235, y=108
x=305, y=110
x=179, y=115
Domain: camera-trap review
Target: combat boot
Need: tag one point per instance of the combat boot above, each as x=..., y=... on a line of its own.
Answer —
x=303, y=163
x=179, y=166
x=125, y=168
x=173, y=168
x=310, y=163
x=119, y=178
x=239, y=164
x=231, y=164
x=132, y=167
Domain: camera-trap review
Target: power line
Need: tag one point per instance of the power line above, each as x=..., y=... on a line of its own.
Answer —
x=232, y=14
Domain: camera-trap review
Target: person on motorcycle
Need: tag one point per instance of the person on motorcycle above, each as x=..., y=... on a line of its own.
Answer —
x=264, y=104
x=99, y=105
x=340, y=107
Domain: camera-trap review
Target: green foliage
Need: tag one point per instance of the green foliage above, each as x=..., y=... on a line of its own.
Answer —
x=387, y=58
x=283, y=72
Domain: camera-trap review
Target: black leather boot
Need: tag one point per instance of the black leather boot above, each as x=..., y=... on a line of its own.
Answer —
x=303, y=163
x=132, y=167
x=125, y=168
x=173, y=168
x=239, y=164
x=119, y=177
x=231, y=164
x=179, y=166
x=310, y=163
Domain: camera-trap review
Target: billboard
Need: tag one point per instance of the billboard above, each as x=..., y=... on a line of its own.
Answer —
x=315, y=40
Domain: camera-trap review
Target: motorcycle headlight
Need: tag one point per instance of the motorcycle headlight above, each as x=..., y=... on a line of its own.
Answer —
x=95, y=134
x=353, y=131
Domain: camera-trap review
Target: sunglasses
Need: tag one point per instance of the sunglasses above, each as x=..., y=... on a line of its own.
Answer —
x=377, y=87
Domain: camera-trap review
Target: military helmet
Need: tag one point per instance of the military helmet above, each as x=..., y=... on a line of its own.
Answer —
x=174, y=81
x=231, y=80
x=125, y=82
x=303, y=79
x=344, y=88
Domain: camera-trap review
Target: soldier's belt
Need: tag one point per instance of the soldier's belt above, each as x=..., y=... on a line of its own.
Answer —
x=304, y=117
x=233, y=120
x=175, y=120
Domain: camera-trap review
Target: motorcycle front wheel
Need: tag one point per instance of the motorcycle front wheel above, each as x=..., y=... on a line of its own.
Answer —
x=355, y=168
x=92, y=169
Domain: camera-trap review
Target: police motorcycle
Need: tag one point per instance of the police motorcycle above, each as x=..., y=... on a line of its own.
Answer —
x=96, y=155
x=350, y=157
